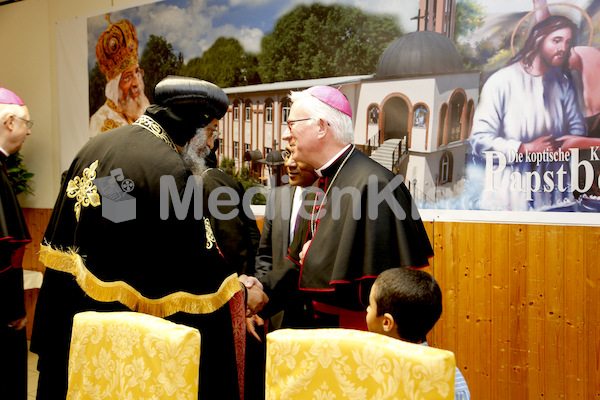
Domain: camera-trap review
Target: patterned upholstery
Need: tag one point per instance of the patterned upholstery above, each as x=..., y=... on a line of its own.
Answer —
x=129, y=355
x=348, y=364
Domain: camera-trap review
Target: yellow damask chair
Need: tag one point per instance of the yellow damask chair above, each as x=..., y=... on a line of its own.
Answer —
x=129, y=355
x=349, y=364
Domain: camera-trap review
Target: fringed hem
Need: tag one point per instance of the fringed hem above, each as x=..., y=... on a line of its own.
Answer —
x=72, y=263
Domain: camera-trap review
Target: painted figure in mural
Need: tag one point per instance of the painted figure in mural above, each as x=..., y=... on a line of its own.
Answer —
x=160, y=260
x=420, y=117
x=343, y=241
x=117, y=56
x=15, y=127
x=523, y=109
x=584, y=63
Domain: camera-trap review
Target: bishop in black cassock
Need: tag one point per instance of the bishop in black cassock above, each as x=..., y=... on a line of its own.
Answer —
x=14, y=128
x=361, y=221
x=118, y=239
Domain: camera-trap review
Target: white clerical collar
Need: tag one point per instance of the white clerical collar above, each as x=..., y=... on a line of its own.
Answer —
x=4, y=152
x=331, y=161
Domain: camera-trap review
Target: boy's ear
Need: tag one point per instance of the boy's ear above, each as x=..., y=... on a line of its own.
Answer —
x=388, y=323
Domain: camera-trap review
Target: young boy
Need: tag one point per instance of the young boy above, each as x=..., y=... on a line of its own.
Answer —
x=405, y=304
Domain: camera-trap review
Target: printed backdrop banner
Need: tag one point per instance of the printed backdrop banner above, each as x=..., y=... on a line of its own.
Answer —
x=518, y=139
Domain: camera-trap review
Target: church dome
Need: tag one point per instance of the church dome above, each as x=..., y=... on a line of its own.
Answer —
x=419, y=53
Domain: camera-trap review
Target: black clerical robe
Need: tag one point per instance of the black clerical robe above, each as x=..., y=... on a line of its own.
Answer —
x=368, y=223
x=13, y=345
x=121, y=237
x=236, y=230
x=13, y=235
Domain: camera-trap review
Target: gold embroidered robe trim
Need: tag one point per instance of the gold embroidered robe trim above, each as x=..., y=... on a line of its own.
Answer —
x=154, y=127
x=72, y=263
x=83, y=189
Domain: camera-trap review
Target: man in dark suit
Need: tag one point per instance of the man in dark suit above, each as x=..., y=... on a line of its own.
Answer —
x=283, y=205
x=282, y=218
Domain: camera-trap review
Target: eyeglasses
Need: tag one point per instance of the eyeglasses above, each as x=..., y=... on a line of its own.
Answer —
x=139, y=72
x=215, y=131
x=292, y=122
x=28, y=123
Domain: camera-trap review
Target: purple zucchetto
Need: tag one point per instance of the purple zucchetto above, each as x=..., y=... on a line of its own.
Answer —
x=333, y=97
x=9, y=97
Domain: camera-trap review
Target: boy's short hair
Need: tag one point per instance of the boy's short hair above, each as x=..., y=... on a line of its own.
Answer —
x=413, y=297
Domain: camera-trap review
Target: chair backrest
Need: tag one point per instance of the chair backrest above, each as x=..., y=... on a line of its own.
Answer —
x=129, y=355
x=351, y=364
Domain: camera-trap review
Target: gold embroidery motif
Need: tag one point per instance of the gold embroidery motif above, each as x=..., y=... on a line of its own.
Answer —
x=151, y=125
x=84, y=190
x=109, y=124
x=72, y=263
x=210, y=236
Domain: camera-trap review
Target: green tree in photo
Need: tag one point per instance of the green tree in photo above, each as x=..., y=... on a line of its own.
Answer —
x=225, y=63
x=97, y=85
x=319, y=41
x=158, y=61
x=468, y=17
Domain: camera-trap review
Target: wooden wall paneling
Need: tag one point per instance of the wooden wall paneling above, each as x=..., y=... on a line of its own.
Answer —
x=574, y=313
x=500, y=311
x=555, y=300
x=535, y=298
x=479, y=255
x=37, y=221
x=591, y=268
x=445, y=331
x=467, y=340
x=429, y=228
x=576, y=352
x=517, y=246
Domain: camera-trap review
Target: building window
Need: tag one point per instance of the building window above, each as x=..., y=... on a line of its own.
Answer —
x=248, y=112
x=285, y=110
x=457, y=103
x=246, y=147
x=235, y=149
x=285, y=113
x=267, y=150
x=269, y=113
x=446, y=168
x=236, y=110
x=373, y=115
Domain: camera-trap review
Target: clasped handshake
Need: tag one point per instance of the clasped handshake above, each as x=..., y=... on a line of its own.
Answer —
x=257, y=299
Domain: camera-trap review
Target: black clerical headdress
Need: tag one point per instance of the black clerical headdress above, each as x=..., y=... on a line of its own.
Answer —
x=184, y=104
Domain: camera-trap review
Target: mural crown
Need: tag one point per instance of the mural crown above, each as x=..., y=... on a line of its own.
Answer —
x=117, y=47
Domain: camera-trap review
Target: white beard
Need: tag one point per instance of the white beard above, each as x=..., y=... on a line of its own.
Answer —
x=195, y=151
